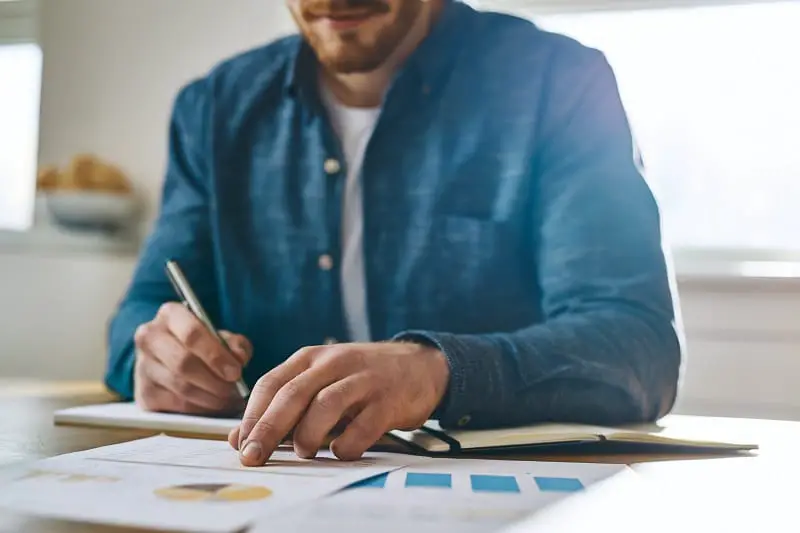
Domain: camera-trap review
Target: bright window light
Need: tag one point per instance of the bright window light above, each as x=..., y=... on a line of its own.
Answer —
x=20, y=72
x=713, y=94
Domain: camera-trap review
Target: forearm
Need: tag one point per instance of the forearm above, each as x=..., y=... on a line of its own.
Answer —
x=602, y=367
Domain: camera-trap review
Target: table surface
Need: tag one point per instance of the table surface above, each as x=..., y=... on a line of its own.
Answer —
x=723, y=494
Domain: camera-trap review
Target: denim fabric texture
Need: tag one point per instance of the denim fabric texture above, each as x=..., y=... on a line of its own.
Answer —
x=506, y=221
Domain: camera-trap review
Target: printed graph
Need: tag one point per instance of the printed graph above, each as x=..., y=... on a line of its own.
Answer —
x=65, y=477
x=475, y=483
x=214, y=492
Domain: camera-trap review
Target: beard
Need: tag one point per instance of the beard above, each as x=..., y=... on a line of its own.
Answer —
x=365, y=47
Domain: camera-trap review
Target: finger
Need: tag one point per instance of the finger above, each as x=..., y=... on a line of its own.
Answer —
x=153, y=370
x=240, y=346
x=158, y=343
x=191, y=333
x=158, y=399
x=233, y=438
x=327, y=409
x=284, y=412
x=268, y=386
x=362, y=433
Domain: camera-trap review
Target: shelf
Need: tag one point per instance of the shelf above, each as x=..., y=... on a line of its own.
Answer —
x=50, y=240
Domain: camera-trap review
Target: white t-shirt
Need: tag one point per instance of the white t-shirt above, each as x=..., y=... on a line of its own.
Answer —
x=354, y=127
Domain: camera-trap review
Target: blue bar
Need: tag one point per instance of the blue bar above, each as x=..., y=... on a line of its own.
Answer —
x=558, y=484
x=482, y=483
x=377, y=482
x=438, y=481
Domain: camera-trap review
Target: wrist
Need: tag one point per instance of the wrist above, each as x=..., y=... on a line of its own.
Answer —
x=438, y=370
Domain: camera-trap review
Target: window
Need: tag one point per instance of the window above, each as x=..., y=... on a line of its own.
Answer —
x=20, y=72
x=20, y=68
x=713, y=94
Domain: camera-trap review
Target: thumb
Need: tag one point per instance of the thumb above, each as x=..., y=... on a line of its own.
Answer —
x=239, y=345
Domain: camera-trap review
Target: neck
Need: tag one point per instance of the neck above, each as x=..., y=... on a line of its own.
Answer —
x=367, y=89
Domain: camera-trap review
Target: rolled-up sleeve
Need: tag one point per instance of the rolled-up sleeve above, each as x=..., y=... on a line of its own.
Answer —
x=608, y=350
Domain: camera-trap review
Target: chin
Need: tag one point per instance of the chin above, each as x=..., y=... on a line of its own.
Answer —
x=351, y=66
x=352, y=61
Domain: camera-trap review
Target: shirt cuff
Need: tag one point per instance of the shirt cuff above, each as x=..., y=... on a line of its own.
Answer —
x=474, y=374
x=119, y=380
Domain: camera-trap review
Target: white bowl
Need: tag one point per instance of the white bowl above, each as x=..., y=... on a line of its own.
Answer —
x=92, y=210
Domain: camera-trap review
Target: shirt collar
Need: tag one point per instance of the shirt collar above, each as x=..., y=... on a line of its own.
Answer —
x=431, y=60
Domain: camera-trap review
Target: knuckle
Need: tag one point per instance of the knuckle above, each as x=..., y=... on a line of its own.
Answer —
x=265, y=429
x=306, y=352
x=313, y=354
x=250, y=421
x=142, y=333
x=183, y=363
x=183, y=387
x=291, y=391
x=329, y=399
x=265, y=386
x=192, y=335
x=342, y=356
x=166, y=311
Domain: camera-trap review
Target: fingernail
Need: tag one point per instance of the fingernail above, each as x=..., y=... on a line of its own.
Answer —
x=252, y=451
x=230, y=372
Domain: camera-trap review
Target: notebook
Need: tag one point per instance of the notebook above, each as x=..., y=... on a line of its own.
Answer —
x=130, y=416
x=431, y=439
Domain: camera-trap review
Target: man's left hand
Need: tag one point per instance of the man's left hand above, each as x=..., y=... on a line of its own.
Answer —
x=369, y=389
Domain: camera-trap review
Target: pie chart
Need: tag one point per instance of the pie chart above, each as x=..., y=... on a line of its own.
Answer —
x=216, y=492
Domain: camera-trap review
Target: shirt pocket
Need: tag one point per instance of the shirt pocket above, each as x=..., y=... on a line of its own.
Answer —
x=482, y=194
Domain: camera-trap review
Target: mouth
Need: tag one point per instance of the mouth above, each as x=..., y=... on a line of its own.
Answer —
x=347, y=20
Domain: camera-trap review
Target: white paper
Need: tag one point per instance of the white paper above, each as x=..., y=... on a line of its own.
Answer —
x=167, y=483
x=129, y=415
x=482, y=496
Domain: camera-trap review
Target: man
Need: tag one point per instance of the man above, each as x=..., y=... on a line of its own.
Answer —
x=453, y=195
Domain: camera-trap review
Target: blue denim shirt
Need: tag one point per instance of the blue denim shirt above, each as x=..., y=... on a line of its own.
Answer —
x=506, y=222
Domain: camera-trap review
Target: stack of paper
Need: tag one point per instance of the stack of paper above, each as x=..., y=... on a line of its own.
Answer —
x=468, y=496
x=167, y=483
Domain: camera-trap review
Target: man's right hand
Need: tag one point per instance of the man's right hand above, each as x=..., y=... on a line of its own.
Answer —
x=182, y=368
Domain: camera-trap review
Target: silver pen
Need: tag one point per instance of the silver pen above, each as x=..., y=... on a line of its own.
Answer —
x=190, y=300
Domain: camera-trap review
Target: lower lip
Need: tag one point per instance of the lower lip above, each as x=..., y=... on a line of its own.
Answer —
x=346, y=24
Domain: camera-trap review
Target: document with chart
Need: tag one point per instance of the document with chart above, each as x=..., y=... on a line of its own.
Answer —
x=464, y=495
x=168, y=483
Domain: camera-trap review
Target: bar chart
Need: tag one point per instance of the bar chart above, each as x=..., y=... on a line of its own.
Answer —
x=474, y=483
x=464, y=495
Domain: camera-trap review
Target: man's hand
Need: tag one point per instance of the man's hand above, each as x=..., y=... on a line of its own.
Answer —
x=368, y=388
x=182, y=368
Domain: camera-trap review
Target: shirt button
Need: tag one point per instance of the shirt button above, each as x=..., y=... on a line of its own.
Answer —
x=332, y=166
x=325, y=262
x=464, y=420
